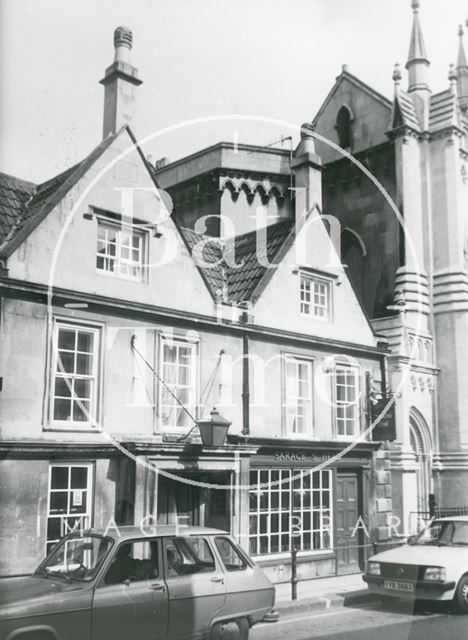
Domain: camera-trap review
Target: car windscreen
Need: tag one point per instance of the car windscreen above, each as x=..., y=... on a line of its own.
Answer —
x=444, y=533
x=76, y=557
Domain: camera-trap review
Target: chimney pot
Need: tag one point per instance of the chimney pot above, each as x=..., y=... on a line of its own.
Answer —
x=123, y=37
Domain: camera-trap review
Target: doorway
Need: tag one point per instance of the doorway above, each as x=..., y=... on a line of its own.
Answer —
x=348, y=534
x=180, y=501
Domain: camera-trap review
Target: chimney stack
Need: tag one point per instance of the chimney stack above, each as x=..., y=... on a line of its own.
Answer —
x=307, y=170
x=119, y=82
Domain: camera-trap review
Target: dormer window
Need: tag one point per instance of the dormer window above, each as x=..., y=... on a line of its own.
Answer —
x=120, y=250
x=343, y=127
x=315, y=297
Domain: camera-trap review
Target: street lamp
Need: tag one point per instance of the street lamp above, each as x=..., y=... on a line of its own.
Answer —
x=213, y=430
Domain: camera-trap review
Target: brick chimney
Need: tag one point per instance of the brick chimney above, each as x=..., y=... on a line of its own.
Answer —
x=119, y=82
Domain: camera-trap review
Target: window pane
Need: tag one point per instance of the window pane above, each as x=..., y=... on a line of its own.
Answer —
x=59, y=478
x=66, y=339
x=85, y=341
x=62, y=409
x=53, y=529
x=82, y=389
x=231, y=558
x=81, y=411
x=79, y=477
x=58, y=501
x=84, y=364
x=65, y=362
x=187, y=556
x=63, y=387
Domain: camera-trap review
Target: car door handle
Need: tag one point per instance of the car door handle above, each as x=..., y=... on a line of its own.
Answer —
x=217, y=579
x=157, y=586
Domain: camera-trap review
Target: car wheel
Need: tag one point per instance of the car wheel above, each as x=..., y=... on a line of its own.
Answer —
x=230, y=630
x=461, y=595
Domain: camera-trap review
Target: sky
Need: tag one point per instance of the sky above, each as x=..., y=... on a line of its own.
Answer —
x=264, y=59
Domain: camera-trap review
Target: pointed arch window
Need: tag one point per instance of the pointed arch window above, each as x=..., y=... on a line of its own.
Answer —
x=343, y=127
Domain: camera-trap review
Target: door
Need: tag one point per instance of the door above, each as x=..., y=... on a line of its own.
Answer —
x=131, y=600
x=347, y=523
x=195, y=583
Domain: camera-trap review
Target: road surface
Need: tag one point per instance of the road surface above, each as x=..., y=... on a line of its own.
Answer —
x=369, y=622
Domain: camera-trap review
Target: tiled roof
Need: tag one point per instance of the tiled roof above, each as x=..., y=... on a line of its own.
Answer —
x=404, y=112
x=14, y=194
x=444, y=111
x=23, y=205
x=21, y=201
x=238, y=284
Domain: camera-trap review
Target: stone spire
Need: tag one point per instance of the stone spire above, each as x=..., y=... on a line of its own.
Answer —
x=120, y=81
x=462, y=72
x=418, y=62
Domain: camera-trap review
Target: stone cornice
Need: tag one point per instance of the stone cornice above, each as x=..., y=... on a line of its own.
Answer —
x=38, y=293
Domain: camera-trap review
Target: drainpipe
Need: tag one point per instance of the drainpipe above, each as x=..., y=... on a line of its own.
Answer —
x=245, y=385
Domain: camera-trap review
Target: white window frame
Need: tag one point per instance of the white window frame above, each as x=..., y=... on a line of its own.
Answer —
x=95, y=377
x=295, y=513
x=87, y=517
x=290, y=359
x=120, y=228
x=192, y=407
x=345, y=404
x=307, y=299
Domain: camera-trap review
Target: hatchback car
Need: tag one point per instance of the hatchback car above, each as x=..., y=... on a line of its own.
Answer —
x=124, y=585
x=433, y=565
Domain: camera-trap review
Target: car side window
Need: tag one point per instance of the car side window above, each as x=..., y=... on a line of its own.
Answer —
x=187, y=556
x=232, y=559
x=460, y=535
x=134, y=561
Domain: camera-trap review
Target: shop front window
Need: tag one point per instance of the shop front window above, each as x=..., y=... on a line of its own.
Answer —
x=290, y=508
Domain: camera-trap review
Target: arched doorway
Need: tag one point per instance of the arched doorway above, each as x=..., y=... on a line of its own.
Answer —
x=421, y=447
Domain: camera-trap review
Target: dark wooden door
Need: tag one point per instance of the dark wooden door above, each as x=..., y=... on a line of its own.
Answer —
x=347, y=525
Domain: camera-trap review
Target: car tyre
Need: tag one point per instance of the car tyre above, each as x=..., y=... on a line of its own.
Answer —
x=461, y=595
x=230, y=630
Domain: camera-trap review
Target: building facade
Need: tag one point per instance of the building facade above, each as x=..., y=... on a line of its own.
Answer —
x=394, y=176
x=123, y=324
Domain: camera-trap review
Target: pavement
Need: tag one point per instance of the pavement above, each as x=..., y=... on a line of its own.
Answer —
x=322, y=593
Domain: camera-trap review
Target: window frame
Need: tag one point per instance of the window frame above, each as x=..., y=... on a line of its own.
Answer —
x=244, y=565
x=313, y=280
x=291, y=511
x=356, y=369
x=102, y=584
x=97, y=329
x=90, y=486
x=289, y=358
x=120, y=226
x=194, y=346
x=164, y=547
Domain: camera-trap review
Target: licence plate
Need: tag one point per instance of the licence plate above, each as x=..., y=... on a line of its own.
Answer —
x=398, y=586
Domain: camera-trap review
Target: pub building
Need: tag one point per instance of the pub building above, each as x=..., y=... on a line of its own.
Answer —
x=94, y=431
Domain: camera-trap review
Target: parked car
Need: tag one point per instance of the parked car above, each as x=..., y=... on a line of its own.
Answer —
x=433, y=565
x=124, y=585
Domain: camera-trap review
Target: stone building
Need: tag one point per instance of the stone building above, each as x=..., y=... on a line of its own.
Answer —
x=413, y=282
x=398, y=186
x=123, y=325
